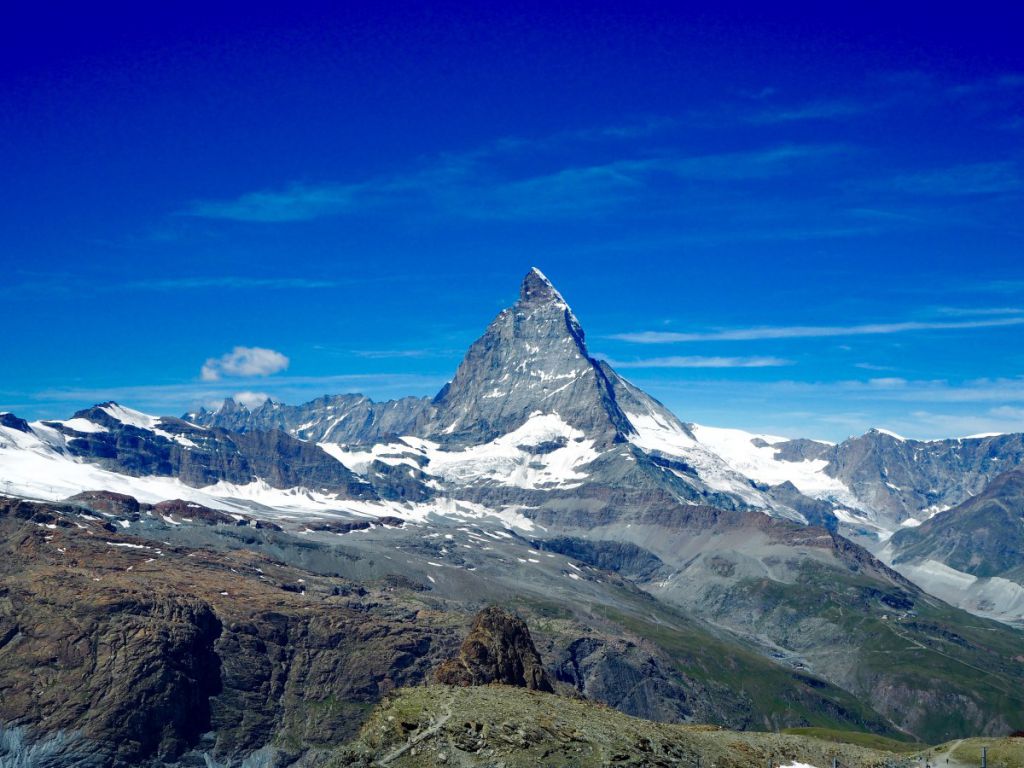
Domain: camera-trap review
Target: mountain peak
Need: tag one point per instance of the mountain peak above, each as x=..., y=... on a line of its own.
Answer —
x=537, y=289
x=532, y=360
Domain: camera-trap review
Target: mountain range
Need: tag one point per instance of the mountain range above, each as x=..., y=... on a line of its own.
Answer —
x=672, y=570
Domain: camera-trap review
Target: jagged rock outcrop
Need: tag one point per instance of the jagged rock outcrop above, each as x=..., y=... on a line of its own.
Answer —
x=351, y=419
x=498, y=649
x=11, y=421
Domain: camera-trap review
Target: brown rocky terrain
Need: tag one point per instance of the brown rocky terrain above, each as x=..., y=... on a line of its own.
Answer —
x=144, y=652
x=126, y=646
x=498, y=649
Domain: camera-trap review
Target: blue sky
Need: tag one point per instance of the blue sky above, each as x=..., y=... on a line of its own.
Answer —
x=799, y=224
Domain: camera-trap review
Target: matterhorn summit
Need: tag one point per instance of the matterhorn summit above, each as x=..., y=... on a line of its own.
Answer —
x=532, y=360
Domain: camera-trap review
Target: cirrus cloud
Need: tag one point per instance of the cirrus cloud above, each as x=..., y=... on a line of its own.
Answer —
x=810, y=331
x=244, y=361
x=698, y=361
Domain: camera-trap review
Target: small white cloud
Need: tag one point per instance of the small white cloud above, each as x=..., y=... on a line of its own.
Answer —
x=244, y=361
x=250, y=400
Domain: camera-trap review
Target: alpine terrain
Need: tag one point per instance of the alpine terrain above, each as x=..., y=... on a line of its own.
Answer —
x=244, y=586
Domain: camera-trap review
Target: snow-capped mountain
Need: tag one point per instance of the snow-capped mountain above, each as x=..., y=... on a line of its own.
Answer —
x=538, y=469
x=531, y=426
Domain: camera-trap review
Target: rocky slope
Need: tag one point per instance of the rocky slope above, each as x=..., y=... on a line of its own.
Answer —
x=127, y=651
x=901, y=479
x=510, y=727
x=175, y=652
x=972, y=554
x=824, y=604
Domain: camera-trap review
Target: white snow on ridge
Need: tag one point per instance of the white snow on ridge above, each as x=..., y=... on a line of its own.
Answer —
x=36, y=468
x=887, y=432
x=654, y=432
x=130, y=416
x=392, y=454
x=502, y=460
x=726, y=458
x=82, y=425
x=143, y=421
x=737, y=448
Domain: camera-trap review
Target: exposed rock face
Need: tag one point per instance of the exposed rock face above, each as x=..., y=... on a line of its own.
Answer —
x=616, y=556
x=201, y=457
x=899, y=478
x=128, y=654
x=498, y=649
x=107, y=502
x=532, y=357
x=10, y=420
x=349, y=419
x=814, y=511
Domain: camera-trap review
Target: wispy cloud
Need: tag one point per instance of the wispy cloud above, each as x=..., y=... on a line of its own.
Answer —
x=978, y=311
x=1005, y=82
x=242, y=362
x=228, y=282
x=758, y=94
x=1002, y=390
x=811, y=331
x=386, y=354
x=821, y=110
x=702, y=362
x=1000, y=286
x=465, y=185
x=297, y=202
x=959, y=180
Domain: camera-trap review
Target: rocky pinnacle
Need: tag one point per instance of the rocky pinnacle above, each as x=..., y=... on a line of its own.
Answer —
x=532, y=359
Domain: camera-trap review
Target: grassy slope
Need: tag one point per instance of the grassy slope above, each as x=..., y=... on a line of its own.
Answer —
x=859, y=738
x=493, y=725
x=1002, y=753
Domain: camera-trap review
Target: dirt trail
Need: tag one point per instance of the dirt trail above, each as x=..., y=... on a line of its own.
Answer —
x=416, y=738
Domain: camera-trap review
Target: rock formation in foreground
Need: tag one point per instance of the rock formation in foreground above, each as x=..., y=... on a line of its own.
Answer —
x=498, y=649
